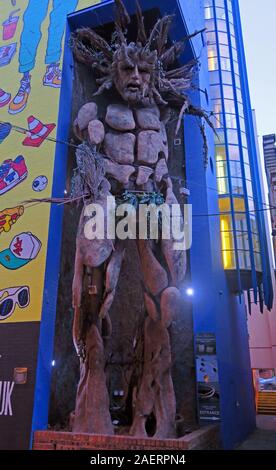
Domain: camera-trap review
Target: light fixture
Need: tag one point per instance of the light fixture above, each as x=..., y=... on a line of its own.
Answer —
x=53, y=363
x=190, y=291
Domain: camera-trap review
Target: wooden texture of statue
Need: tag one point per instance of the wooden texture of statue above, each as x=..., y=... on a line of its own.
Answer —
x=132, y=141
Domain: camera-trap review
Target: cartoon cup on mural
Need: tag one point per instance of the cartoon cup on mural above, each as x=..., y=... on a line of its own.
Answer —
x=10, y=25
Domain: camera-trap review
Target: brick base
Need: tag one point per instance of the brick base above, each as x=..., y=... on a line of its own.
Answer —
x=206, y=438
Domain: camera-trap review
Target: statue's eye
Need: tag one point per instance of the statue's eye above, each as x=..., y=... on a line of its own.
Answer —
x=128, y=68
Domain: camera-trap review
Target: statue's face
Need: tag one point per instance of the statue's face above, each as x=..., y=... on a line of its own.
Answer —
x=133, y=80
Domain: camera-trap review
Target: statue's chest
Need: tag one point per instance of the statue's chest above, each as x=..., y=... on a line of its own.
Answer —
x=135, y=135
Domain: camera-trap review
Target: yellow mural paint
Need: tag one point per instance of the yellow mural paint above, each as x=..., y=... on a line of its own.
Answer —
x=31, y=45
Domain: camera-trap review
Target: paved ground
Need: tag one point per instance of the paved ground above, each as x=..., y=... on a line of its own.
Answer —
x=264, y=438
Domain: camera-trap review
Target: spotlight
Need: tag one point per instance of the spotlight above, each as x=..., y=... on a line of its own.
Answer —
x=190, y=291
x=53, y=363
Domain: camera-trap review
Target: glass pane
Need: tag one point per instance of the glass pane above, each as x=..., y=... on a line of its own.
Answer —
x=220, y=137
x=234, y=152
x=217, y=106
x=237, y=185
x=210, y=25
x=222, y=38
x=222, y=25
x=213, y=63
x=239, y=95
x=235, y=55
x=247, y=172
x=217, y=121
x=258, y=261
x=231, y=121
x=249, y=188
x=214, y=77
x=236, y=68
x=225, y=63
x=240, y=108
x=211, y=38
x=212, y=50
x=237, y=80
x=227, y=78
x=228, y=92
x=244, y=259
x=242, y=240
x=229, y=106
x=242, y=124
x=209, y=13
x=224, y=50
x=235, y=169
x=215, y=92
x=244, y=139
x=241, y=223
x=219, y=3
x=232, y=137
x=231, y=28
x=223, y=187
x=220, y=151
x=253, y=223
x=228, y=259
x=222, y=169
x=220, y=12
x=230, y=16
x=256, y=243
x=245, y=155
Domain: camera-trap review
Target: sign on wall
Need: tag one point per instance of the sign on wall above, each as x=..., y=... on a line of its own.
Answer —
x=207, y=377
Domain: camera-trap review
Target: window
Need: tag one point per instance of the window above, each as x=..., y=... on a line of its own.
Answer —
x=225, y=63
x=228, y=92
x=224, y=50
x=215, y=92
x=229, y=106
x=222, y=169
x=231, y=121
x=227, y=78
x=214, y=77
x=211, y=38
x=234, y=152
x=232, y=137
x=220, y=152
x=223, y=187
x=222, y=25
x=209, y=13
x=220, y=12
x=210, y=25
x=237, y=185
x=223, y=38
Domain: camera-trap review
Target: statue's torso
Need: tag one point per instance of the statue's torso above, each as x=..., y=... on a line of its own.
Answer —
x=136, y=146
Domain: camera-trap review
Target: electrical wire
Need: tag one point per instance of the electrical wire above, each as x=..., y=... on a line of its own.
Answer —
x=23, y=130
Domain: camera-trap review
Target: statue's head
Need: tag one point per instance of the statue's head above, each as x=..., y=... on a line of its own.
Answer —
x=133, y=69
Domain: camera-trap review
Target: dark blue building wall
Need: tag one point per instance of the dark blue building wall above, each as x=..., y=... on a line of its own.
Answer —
x=215, y=308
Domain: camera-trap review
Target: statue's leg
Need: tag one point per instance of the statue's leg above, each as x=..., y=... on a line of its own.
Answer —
x=111, y=278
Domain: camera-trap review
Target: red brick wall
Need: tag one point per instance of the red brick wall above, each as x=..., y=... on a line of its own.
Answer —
x=205, y=438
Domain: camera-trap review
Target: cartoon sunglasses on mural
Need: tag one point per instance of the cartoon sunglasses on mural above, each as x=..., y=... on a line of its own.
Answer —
x=10, y=298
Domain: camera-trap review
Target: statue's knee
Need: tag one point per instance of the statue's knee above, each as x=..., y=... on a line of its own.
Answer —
x=170, y=305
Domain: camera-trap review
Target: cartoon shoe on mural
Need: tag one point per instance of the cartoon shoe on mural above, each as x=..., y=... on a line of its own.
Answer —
x=34, y=15
x=10, y=216
x=12, y=172
x=4, y=98
x=23, y=249
x=12, y=297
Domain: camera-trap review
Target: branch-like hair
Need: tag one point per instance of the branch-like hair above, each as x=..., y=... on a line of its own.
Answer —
x=169, y=83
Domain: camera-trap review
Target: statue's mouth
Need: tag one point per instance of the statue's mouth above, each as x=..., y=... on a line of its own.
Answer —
x=133, y=87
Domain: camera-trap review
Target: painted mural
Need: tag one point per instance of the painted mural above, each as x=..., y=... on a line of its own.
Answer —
x=31, y=45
